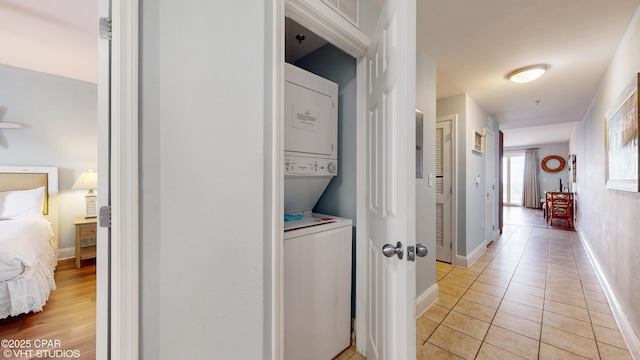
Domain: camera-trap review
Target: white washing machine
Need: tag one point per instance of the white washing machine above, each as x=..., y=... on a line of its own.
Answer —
x=317, y=287
x=317, y=247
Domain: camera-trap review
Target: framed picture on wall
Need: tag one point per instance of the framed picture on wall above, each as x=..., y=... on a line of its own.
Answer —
x=572, y=167
x=621, y=140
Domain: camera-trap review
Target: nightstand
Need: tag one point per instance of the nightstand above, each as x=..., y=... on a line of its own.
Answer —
x=86, y=239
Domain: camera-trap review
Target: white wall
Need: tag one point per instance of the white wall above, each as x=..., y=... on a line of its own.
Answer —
x=60, y=115
x=425, y=194
x=549, y=181
x=331, y=63
x=369, y=12
x=205, y=117
x=476, y=206
x=608, y=219
x=471, y=204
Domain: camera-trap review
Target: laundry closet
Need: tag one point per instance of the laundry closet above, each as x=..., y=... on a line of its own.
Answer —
x=319, y=196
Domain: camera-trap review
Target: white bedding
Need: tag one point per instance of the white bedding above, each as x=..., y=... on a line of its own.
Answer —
x=21, y=243
x=27, y=263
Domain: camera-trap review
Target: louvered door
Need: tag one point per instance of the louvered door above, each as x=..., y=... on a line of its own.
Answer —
x=444, y=189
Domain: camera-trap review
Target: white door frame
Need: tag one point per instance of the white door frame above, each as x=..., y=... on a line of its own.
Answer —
x=274, y=214
x=490, y=148
x=117, y=277
x=326, y=23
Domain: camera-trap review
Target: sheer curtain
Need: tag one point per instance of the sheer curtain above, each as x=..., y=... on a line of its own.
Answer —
x=530, y=188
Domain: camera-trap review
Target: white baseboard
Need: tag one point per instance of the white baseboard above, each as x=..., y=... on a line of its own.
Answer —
x=467, y=261
x=66, y=253
x=426, y=299
x=618, y=312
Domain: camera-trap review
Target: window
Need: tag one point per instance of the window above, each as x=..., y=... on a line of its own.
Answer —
x=512, y=177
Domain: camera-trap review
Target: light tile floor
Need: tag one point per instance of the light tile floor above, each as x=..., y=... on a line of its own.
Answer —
x=532, y=295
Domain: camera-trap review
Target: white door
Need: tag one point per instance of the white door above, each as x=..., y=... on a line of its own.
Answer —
x=490, y=174
x=444, y=189
x=390, y=189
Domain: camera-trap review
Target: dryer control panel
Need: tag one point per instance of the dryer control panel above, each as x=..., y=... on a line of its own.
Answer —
x=307, y=166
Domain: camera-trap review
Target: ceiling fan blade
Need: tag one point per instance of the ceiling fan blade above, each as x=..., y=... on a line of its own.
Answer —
x=8, y=125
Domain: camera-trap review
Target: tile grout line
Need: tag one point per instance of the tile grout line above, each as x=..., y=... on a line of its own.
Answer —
x=509, y=241
x=587, y=309
x=544, y=299
x=503, y=295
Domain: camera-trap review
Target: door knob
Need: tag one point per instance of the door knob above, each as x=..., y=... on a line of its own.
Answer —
x=421, y=250
x=389, y=250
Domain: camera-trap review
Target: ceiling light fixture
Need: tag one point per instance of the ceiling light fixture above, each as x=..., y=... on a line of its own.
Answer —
x=527, y=74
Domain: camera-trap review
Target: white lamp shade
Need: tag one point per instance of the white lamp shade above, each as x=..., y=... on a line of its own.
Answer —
x=87, y=181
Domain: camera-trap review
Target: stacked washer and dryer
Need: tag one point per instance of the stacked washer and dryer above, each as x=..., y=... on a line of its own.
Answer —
x=317, y=247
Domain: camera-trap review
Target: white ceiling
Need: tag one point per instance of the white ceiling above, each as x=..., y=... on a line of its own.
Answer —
x=57, y=37
x=477, y=43
x=537, y=135
x=474, y=43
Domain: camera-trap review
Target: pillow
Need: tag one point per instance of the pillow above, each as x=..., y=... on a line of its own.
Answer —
x=21, y=204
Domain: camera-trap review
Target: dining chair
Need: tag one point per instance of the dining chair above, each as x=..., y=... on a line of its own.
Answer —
x=559, y=205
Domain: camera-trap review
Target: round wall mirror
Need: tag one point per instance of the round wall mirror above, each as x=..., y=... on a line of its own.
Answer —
x=553, y=163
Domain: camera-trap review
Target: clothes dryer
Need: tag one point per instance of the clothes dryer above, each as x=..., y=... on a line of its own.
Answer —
x=317, y=248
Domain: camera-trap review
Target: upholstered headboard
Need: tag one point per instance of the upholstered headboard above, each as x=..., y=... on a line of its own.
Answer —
x=25, y=178
x=26, y=181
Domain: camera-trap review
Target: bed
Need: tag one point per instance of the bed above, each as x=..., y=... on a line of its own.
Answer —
x=28, y=238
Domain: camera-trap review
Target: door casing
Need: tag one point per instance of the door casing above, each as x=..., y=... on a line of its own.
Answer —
x=490, y=177
x=332, y=27
x=117, y=308
x=454, y=185
x=335, y=29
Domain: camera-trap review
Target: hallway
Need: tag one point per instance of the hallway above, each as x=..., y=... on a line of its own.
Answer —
x=519, y=215
x=533, y=295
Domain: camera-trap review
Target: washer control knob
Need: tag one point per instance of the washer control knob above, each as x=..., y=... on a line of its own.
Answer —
x=331, y=167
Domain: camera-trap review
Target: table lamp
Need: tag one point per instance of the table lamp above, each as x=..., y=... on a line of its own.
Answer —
x=88, y=181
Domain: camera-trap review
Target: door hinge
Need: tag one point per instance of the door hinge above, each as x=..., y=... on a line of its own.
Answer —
x=105, y=28
x=105, y=216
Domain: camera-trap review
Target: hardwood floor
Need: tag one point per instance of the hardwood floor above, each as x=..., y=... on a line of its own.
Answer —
x=350, y=353
x=69, y=317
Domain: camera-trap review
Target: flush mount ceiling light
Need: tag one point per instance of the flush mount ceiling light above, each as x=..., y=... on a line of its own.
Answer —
x=526, y=74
